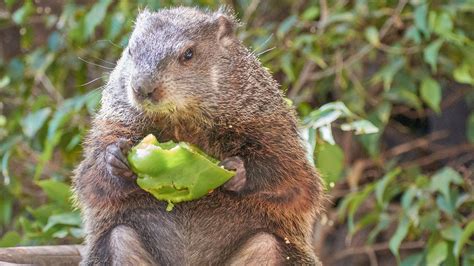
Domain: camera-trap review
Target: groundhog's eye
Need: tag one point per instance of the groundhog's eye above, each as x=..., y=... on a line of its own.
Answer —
x=188, y=54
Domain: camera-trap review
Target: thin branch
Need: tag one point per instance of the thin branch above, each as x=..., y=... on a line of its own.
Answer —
x=324, y=16
x=416, y=143
x=440, y=155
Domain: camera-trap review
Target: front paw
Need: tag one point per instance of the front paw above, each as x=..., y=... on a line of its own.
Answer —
x=237, y=182
x=116, y=160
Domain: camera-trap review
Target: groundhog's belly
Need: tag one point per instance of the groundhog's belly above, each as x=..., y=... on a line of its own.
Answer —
x=203, y=230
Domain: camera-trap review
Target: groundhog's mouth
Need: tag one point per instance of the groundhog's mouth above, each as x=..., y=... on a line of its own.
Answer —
x=153, y=106
x=151, y=103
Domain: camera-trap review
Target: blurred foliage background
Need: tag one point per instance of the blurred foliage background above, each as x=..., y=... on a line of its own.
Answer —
x=384, y=90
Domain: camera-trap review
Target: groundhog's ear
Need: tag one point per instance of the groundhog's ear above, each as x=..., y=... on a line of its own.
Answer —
x=226, y=28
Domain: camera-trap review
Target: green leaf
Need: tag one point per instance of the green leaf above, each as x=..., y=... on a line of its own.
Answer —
x=437, y=254
x=360, y=127
x=430, y=92
x=462, y=74
x=6, y=208
x=10, y=239
x=326, y=134
x=470, y=127
x=354, y=204
x=452, y=233
x=408, y=197
x=412, y=260
x=466, y=234
x=4, y=82
x=430, y=54
x=56, y=190
x=286, y=25
x=310, y=14
x=10, y=3
x=420, y=16
x=34, y=121
x=372, y=35
x=95, y=16
x=441, y=23
x=398, y=236
x=309, y=135
x=327, y=114
x=287, y=66
x=3, y=120
x=70, y=218
x=388, y=72
x=330, y=162
x=21, y=15
x=442, y=180
x=413, y=34
x=383, y=183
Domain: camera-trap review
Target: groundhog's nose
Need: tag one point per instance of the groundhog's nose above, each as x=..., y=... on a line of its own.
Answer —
x=142, y=87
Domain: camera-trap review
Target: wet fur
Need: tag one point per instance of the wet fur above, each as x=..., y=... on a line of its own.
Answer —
x=228, y=106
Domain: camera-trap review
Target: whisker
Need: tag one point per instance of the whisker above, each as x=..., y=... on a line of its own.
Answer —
x=109, y=41
x=263, y=44
x=265, y=51
x=94, y=64
x=105, y=61
x=90, y=82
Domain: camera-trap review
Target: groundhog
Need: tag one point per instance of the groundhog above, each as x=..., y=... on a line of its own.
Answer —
x=185, y=76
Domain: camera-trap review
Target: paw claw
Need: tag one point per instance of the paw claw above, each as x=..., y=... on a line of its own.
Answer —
x=117, y=163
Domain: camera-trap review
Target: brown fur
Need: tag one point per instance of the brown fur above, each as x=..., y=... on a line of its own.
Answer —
x=241, y=113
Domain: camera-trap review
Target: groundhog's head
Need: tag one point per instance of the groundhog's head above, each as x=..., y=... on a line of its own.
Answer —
x=175, y=58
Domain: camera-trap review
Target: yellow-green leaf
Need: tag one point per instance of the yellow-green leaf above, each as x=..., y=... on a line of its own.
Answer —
x=437, y=254
x=430, y=92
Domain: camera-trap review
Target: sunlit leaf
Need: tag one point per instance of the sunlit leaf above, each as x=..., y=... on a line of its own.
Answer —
x=462, y=74
x=468, y=231
x=34, y=121
x=360, y=127
x=72, y=218
x=412, y=260
x=437, y=254
x=326, y=134
x=430, y=54
x=21, y=15
x=398, y=236
x=310, y=14
x=420, y=16
x=442, y=180
x=430, y=92
x=452, y=233
x=330, y=162
x=95, y=16
x=286, y=25
x=383, y=183
x=372, y=35
x=10, y=239
x=57, y=191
